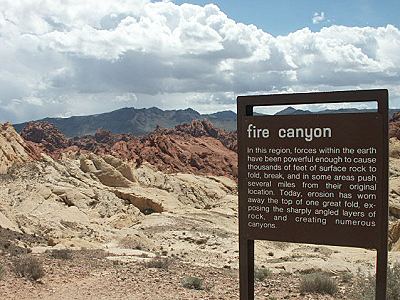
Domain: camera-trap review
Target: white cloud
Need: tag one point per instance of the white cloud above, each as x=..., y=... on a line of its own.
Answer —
x=67, y=58
x=318, y=17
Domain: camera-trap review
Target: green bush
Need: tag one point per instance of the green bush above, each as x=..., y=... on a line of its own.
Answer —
x=318, y=283
x=193, y=283
x=261, y=273
x=29, y=267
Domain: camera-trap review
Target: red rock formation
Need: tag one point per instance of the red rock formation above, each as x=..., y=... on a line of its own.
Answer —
x=105, y=142
x=45, y=134
x=197, y=148
x=185, y=153
x=201, y=128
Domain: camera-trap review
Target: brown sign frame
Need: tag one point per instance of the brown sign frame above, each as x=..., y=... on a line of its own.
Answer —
x=245, y=105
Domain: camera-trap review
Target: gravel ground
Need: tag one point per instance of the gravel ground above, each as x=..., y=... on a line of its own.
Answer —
x=89, y=275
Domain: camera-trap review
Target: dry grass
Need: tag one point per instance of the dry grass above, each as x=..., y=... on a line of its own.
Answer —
x=28, y=267
x=319, y=283
x=1, y=272
x=365, y=285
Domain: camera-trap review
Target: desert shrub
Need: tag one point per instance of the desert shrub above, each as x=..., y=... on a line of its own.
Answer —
x=347, y=277
x=365, y=285
x=158, y=263
x=1, y=271
x=261, y=273
x=193, y=283
x=28, y=267
x=61, y=253
x=318, y=283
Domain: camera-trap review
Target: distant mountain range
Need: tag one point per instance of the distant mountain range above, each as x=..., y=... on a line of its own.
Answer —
x=142, y=121
x=135, y=121
x=292, y=111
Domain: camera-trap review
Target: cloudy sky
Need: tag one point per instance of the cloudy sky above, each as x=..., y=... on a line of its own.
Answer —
x=74, y=57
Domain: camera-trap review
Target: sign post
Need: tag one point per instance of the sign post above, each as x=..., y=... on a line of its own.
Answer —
x=316, y=178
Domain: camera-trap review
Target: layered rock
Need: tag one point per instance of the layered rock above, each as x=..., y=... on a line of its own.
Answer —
x=95, y=200
x=14, y=149
x=180, y=152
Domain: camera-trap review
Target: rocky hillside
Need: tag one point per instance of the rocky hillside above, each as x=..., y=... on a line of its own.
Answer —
x=135, y=121
x=197, y=147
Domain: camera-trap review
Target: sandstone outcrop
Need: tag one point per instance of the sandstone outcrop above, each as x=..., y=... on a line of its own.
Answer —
x=13, y=149
x=181, y=152
x=91, y=201
x=108, y=174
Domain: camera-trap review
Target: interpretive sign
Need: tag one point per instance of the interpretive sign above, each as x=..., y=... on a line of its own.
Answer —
x=315, y=178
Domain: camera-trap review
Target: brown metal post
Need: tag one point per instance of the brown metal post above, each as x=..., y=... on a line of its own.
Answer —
x=246, y=269
x=246, y=246
x=382, y=253
x=381, y=275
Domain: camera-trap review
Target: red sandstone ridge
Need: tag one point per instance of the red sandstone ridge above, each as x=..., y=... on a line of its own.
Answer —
x=197, y=148
x=394, y=126
x=202, y=128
